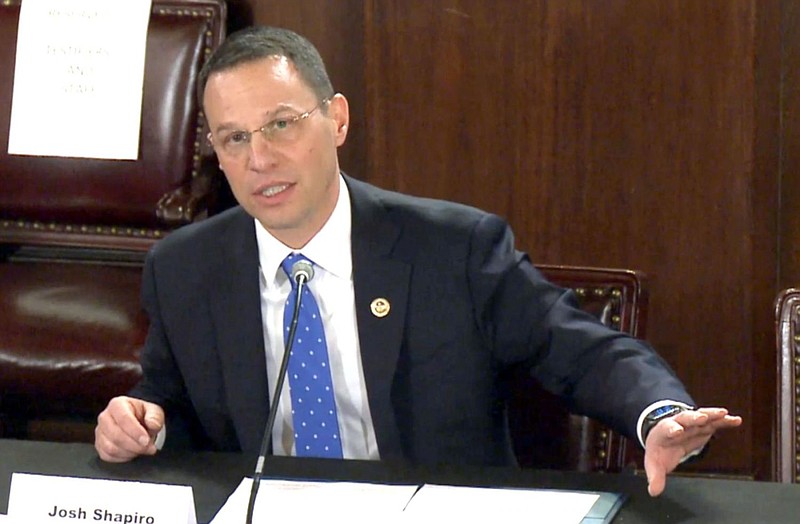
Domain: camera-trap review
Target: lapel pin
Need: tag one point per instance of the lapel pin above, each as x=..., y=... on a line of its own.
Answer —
x=380, y=307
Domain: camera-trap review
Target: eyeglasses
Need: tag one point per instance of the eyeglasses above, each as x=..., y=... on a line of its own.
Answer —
x=282, y=130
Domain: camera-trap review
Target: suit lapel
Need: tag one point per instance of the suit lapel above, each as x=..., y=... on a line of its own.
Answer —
x=236, y=313
x=377, y=276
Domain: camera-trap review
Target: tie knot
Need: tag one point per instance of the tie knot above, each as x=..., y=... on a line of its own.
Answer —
x=289, y=262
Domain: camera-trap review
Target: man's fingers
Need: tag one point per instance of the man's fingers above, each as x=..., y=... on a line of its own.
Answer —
x=717, y=417
x=673, y=428
x=713, y=413
x=728, y=421
x=129, y=419
x=110, y=452
x=701, y=423
x=123, y=429
x=691, y=418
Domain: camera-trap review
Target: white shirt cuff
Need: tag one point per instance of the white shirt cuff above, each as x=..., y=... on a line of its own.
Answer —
x=161, y=437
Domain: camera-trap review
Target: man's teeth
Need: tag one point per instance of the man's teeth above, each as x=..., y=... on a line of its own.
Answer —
x=274, y=190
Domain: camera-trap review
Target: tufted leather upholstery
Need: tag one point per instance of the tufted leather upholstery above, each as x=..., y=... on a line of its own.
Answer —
x=544, y=434
x=73, y=234
x=787, y=330
x=77, y=201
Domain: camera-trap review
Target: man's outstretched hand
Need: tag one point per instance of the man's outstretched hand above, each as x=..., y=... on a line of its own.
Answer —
x=674, y=438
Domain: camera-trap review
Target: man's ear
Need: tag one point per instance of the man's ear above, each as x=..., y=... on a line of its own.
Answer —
x=339, y=112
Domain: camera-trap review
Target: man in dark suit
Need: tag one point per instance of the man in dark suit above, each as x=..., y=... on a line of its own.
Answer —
x=424, y=303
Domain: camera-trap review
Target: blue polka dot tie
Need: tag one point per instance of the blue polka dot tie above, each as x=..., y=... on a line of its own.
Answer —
x=316, y=427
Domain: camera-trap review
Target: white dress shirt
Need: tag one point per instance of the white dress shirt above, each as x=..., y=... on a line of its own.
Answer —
x=332, y=286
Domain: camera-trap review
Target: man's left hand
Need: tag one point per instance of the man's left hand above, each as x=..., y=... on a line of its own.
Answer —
x=674, y=438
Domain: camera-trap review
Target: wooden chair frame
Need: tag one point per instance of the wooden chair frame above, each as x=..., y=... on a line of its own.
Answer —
x=787, y=330
x=618, y=297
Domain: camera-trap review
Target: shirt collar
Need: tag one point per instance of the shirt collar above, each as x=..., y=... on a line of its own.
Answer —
x=328, y=249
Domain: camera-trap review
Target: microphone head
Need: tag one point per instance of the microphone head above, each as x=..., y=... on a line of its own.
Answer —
x=304, y=269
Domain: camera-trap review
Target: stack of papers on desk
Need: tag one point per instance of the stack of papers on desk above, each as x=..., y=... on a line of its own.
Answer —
x=365, y=502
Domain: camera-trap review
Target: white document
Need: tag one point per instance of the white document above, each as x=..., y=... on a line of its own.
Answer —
x=281, y=500
x=436, y=503
x=353, y=502
x=36, y=499
x=78, y=78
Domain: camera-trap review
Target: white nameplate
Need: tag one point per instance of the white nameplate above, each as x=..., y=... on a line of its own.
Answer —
x=39, y=499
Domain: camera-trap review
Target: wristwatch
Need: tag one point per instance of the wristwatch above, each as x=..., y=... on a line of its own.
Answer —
x=659, y=414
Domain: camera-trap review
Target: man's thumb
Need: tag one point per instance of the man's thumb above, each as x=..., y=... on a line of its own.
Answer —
x=655, y=484
x=153, y=421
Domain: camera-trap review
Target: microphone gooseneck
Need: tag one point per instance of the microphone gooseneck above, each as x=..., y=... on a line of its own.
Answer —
x=302, y=273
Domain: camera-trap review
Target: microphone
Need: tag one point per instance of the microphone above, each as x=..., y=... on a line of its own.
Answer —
x=302, y=273
x=302, y=269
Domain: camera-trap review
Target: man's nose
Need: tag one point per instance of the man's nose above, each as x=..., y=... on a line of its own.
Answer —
x=262, y=153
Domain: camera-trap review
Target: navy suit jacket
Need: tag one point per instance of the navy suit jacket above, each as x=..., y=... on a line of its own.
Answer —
x=465, y=306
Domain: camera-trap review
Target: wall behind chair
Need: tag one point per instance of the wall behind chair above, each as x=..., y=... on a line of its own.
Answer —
x=642, y=134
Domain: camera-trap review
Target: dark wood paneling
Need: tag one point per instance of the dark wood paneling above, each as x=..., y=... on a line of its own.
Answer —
x=630, y=133
x=614, y=133
x=765, y=180
x=789, y=208
x=790, y=114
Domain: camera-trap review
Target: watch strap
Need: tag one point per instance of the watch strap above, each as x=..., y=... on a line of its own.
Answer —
x=659, y=414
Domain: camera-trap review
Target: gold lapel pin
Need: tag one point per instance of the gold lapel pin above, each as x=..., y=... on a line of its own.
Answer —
x=380, y=307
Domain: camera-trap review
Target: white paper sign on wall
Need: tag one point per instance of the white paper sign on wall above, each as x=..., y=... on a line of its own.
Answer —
x=78, y=78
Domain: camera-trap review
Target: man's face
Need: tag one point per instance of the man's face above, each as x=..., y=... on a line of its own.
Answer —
x=286, y=177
